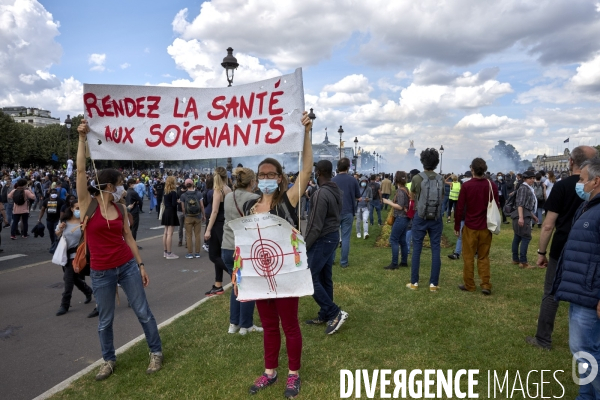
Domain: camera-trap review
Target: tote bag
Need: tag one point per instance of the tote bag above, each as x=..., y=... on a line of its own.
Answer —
x=493, y=214
x=60, y=254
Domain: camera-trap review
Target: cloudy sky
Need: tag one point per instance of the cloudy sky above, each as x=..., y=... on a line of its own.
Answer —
x=458, y=73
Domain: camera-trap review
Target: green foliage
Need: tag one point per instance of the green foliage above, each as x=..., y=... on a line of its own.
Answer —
x=11, y=148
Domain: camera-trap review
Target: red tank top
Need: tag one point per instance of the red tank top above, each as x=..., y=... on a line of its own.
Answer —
x=107, y=246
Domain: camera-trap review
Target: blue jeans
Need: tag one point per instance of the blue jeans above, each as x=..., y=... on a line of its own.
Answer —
x=24, y=218
x=375, y=204
x=51, y=230
x=419, y=229
x=458, y=248
x=409, y=239
x=522, y=255
x=445, y=206
x=104, y=284
x=9, y=209
x=346, y=228
x=539, y=213
x=584, y=335
x=240, y=312
x=385, y=196
x=398, y=240
x=320, y=264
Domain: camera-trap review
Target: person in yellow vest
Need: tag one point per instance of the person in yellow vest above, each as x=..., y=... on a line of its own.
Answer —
x=454, y=191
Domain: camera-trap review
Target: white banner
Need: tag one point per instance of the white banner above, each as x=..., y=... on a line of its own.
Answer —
x=270, y=259
x=173, y=123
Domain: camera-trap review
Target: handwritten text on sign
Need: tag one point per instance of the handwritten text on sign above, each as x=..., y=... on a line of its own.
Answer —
x=167, y=123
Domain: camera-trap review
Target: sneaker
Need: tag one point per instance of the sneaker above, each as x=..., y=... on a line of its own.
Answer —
x=486, y=292
x=106, y=370
x=366, y=236
x=156, y=360
x=205, y=247
x=454, y=256
x=172, y=256
x=433, y=288
x=412, y=286
x=534, y=342
x=13, y=237
x=253, y=328
x=62, y=311
x=335, y=324
x=314, y=321
x=165, y=254
x=197, y=255
x=189, y=255
x=214, y=291
x=403, y=264
x=94, y=313
x=358, y=235
x=263, y=382
x=233, y=328
x=292, y=387
x=392, y=266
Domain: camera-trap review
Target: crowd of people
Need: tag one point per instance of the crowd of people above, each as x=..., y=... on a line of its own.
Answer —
x=105, y=206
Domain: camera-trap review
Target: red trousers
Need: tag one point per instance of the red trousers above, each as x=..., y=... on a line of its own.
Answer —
x=271, y=312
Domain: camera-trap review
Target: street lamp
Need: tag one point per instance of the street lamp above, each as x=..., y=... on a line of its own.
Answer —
x=544, y=158
x=340, y=131
x=312, y=117
x=442, y=158
x=68, y=126
x=230, y=64
x=355, y=154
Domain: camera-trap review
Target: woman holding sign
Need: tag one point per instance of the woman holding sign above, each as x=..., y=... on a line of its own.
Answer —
x=277, y=199
x=114, y=258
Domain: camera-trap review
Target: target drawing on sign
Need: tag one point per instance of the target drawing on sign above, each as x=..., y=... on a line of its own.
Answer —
x=267, y=259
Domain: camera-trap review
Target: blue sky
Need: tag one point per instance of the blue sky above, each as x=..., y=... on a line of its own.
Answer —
x=461, y=73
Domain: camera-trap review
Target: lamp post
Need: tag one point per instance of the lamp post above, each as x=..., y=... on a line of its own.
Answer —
x=312, y=117
x=442, y=158
x=68, y=126
x=230, y=64
x=340, y=131
x=355, y=154
x=544, y=158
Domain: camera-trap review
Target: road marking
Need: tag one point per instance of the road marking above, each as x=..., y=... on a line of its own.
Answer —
x=158, y=227
x=67, y=382
x=12, y=256
x=49, y=261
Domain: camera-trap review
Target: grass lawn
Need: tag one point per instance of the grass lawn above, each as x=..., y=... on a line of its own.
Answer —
x=389, y=327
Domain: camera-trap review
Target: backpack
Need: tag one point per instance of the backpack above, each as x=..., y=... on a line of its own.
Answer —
x=192, y=208
x=509, y=206
x=539, y=191
x=19, y=197
x=429, y=203
x=410, y=213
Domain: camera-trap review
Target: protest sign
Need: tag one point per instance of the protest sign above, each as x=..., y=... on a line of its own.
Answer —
x=270, y=259
x=172, y=123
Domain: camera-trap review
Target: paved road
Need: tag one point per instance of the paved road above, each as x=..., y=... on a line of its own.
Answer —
x=39, y=349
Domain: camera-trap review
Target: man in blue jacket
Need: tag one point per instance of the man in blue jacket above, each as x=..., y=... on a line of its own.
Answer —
x=350, y=194
x=578, y=279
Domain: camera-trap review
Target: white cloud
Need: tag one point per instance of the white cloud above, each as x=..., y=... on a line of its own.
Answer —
x=125, y=65
x=588, y=75
x=203, y=63
x=97, y=60
x=27, y=47
x=350, y=84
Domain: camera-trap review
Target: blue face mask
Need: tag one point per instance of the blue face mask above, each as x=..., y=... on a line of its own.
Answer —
x=77, y=214
x=364, y=184
x=581, y=192
x=268, y=186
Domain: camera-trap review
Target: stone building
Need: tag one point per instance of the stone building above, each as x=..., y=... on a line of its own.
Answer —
x=552, y=163
x=33, y=116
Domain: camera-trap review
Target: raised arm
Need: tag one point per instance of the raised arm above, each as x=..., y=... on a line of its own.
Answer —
x=82, y=193
x=293, y=193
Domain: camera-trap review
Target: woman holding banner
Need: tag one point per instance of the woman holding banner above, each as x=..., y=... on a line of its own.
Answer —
x=214, y=230
x=277, y=199
x=169, y=218
x=114, y=258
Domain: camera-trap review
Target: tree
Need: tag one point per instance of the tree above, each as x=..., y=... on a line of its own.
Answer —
x=11, y=144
